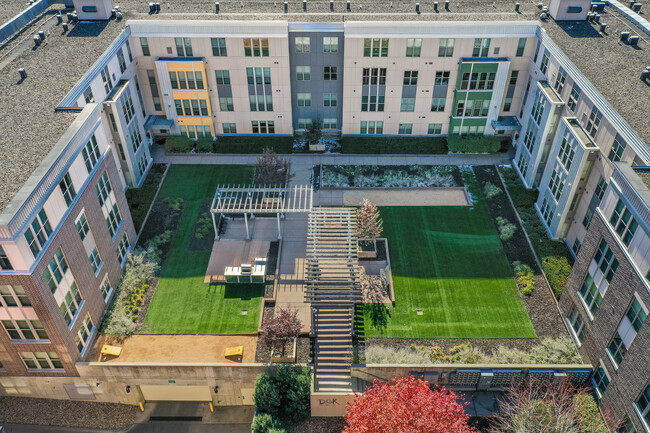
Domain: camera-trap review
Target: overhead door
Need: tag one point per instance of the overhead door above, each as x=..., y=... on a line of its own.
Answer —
x=175, y=393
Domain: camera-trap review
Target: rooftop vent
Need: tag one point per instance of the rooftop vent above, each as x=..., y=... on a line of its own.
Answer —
x=603, y=27
x=545, y=9
x=417, y=8
x=636, y=7
x=41, y=35
x=597, y=18
x=23, y=74
x=37, y=41
x=543, y=16
x=59, y=18
x=65, y=27
x=435, y=6
x=634, y=40
x=632, y=3
x=118, y=15
x=216, y=7
x=348, y=6
x=644, y=74
x=624, y=36
x=446, y=4
x=331, y=5
x=69, y=16
x=517, y=7
x=540, y=5
x=304, y=5
x=286, y=7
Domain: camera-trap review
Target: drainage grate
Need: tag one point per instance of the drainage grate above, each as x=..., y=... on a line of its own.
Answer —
x=176, y=418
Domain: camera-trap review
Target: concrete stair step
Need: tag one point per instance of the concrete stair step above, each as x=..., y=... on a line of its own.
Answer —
x=333, y=370
x=334, y=389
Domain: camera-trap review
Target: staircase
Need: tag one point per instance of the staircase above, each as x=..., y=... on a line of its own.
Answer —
x=333, y=351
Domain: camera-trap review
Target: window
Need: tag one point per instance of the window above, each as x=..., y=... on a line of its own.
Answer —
x=559, y=81
x=587, y=219
x=144, y=43
x=566, y=154
x=263, y=127
x=410, y=78
x=574, y=97
x=408, y=104
x=25, y=329
x=435, y=128
x=514, y=75
x=106, y=288
x=128, y=50
x=330, y=44
x=600, y=380
x=372, y=127
x=643, y=404
x=302, y=44
x=529, y=137
x=82, y=226
x=374, y=76
x=521, y=47
x=186, y=80
x=405, y=128
x=593, y=122
x=329, y=99
x=67, y=189
x=606, y=261
x=438, y=104
x=88, y=95
x=106, y=79
x=84, y=332
x=591, y=295
x=544, y=66
x=442, y=78
x=617, y=349
x=547, y=212
x=330, y=73
x=481, y=47
x=372, y=103
x=143, y=163
x=304, y=99
x=413, y=47
x=226, y=104
x=121, y=60
x=90, y=153
x=183, y=47
x=223, y=77
x=626, y=427
x=478, y=81
x=473, y=108
x=446, y=48
x=154, y=94
x=538, y=108
x=38, y=232
x=556, y=184
x=577, y=324
x=127, y=109
x=375, y=47
x=136, y=139
x=636, y=314
x=103, y=188
x=329, y=123
x=5, y=264
x=14, y=298
x=303, y=73
x=616, y=152
x=113, y=219
x=55, y=270
x=230, y=128
x=304, y=123
x=601, y=188
x=624, y=223
x=219, y=47
x=256, y=47
x=95, y=260
x=261, y=102
x=576, y=246
x=41, y=360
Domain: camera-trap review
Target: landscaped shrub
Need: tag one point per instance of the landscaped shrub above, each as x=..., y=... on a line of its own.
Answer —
x=204, y=226
x=555, y=351
x=393, y=145
x=525, y=277
x=204, y=145
x=265, y=423
x=284, y=394
x=178, y=144
x=557, y=271
x=174, y=204
x=388, y=355
x=254, y=144
x=506, y=229
x=587, y=415
x=154, y=247
x=369, y=176
x=140, y=199
x=491, y=190
x=473, y=144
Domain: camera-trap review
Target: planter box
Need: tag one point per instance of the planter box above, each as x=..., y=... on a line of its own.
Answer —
x=367, y=250
x=286, y=359
x=320, y=147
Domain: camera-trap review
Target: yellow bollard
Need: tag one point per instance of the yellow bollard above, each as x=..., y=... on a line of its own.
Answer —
x=211, y=407
x=141, y=406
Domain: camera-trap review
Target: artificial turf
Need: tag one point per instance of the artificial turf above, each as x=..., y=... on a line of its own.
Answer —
x=183, y=303
x=448, y=262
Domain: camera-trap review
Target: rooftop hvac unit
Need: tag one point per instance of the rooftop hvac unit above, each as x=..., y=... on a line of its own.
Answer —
x=331, y=5
x=348, y=6
x=59, y=18
x=23, y=73
x=216, y=6
x=304, y=5
x=634, y=40
x=632, y=3
x=286, y=7
x=603, y=27
x=65, y=27
x=417, y=8
x=637, y=7
x=644, y=74
x=624, y=36
x=543, y=16
x=540, y=5
x=37, y=41
x=435, y=6
x=517, y=7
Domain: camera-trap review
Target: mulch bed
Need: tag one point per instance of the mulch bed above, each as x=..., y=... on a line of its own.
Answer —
x=319, y=424
x=66, y=413
x=381, y=252
x=206, y=242
x=380, y=170
x=160, y=220
x=303, y=351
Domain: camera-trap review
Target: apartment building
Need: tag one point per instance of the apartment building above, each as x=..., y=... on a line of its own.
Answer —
x=66, y=229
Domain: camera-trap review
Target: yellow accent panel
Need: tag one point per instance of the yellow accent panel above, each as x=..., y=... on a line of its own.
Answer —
x=175, y=393
x=195, y=121
x=186, y=66
x=190, y=94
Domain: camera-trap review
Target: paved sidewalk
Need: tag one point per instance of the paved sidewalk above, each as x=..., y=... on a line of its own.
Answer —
x=301, y=161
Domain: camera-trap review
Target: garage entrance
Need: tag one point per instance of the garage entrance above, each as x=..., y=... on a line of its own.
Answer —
x=175, y=393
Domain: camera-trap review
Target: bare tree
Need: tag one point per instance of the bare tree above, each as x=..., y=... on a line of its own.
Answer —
x=271, y=169
x=369, y=222
x=279, y=330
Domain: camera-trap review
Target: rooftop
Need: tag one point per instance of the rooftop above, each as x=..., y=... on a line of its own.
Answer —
x=32, y=128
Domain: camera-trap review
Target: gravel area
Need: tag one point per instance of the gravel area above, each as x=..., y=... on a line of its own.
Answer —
x=81, y=414
x=11, y=8
x=319, y=424
x=303, y=352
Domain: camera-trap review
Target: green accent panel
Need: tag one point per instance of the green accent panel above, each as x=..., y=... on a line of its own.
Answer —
x=454, y=122
x=465, y=67
x=480, y=95
x=475, y=122
x=486, y=67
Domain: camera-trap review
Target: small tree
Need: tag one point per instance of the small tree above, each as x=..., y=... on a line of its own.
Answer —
x=406, y=404
x=271, y=169
x=279, y=330
x=313, y=134
x=369, y=222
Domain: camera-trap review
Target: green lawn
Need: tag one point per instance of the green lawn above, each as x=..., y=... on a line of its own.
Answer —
x=183, y=304
x=449, y=263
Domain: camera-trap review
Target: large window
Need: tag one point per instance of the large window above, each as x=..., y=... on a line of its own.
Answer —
x=330, y=44
x=144, y=43
x=438, y=104
x=263, y=127
x=643, y=404
x=442, y=78
x=302, y=44
x=186, y=80
x=256, y=47
x=590, y=295
x=374, y=76
x=372, y=103
x=446, y=48
x=329, y=123
x=127, y=109
x=219, y=47
x=230, y=128
x=303, y=73
x=408, y=104
x=413, y=47
x=624, y=223
x=14, y=296
x=184, y=47
x=372, y=127
x=84, y=332
x=90, y=153
x=103, y=188
x=38, y=232
x=304, y=99
x=538, y=108
x=329, y=99
x=521, y=47
x=95, y=260
x=41, y=360
x=261, y=102
x=481, y=47
x=113, y=219
x=606, y=261
x=222, y=76
x=121, y=60
x=556, y=184
x=25, y=329
x=67, y=189
x=106, y=288
x=330, y=73
x=547, y=212
x=601, y=188
x=593, y=122
x=410, y=78
x=616, y=152
x=577, y=324
x=435, y=128
x=375, y=47
x=617, y=349
x=600, y=380
x=477, y=81
x=70, y=304
x=226, y=104
x=636, y=315
x=405, y=128
x=530, y=136
x=573, y=98
x=560, y=80
x=544, y=65
x=55, y=271
x=5, y=263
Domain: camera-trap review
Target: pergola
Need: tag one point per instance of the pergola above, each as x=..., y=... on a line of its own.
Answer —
x=252, y=199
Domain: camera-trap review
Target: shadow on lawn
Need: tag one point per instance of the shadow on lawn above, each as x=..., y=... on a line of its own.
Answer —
x=245, y=292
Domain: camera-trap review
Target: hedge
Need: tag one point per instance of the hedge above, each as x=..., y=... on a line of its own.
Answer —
x=204, y=145
x=178, y=144
x=393, y=145
x=473, y=144
x=252, y=144
x=587, y=415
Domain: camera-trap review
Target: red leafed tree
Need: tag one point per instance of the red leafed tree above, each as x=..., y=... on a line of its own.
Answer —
x=406, y=405
x=279, y=330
